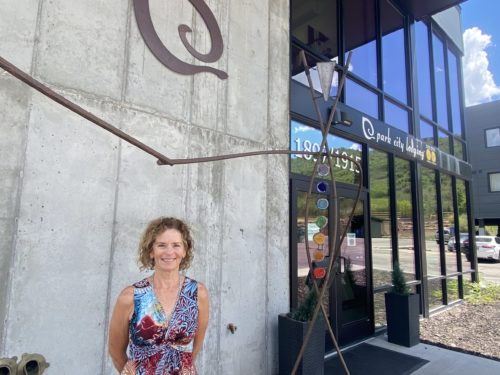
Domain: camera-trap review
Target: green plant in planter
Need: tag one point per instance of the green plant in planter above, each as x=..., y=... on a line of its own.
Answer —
x=305, y=310
x=399, y=281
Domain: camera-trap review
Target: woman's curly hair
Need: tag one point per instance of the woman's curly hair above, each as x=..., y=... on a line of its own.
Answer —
x=153, y=230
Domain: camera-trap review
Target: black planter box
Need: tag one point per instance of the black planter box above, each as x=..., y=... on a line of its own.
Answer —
x=291, y=336
x=403, y=325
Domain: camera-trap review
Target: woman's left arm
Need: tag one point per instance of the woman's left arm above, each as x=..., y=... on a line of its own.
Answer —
x=203, y=307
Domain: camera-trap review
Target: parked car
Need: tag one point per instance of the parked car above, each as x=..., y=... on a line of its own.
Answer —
x=447, y=233
x=488, y=247
x=451, y=242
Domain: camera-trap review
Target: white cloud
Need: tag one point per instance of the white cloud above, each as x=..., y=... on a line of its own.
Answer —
x=479, y=84
x=301, y=129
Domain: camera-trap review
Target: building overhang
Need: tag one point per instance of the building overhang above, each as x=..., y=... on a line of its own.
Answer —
x=423, y=8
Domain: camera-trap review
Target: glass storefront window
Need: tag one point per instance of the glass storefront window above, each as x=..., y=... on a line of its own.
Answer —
x=302, y=237
x=458, y=149
x=380, y=219
x=396, y=116
x=435, y=293
x=404, y=211
x=360, y=38
x=448, y=221
x=316, y=25
x=452, y=288
x=456, y=119
x=427, y=132
x=307, y=138
x=423, y=69
x=360, y=98
x=440, y=82
x=444, y=142
x=429, y=196
x=393, y=52
x=463, y=221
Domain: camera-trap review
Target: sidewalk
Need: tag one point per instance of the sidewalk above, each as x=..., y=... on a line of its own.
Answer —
x=442, y=361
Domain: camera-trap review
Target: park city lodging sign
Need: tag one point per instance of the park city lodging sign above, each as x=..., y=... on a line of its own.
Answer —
x=154, y=43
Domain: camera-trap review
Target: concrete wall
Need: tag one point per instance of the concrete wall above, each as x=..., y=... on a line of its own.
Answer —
x=74, y=199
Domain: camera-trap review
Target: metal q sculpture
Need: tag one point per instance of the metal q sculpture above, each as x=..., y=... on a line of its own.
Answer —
x=325, y=71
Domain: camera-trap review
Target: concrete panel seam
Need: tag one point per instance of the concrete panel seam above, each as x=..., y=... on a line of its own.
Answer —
x=126, y=53
x=111, y=258
x=17, y=206
x=36, y=39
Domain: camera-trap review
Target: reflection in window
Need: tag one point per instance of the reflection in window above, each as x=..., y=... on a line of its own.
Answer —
x=299, y=75
x=494, y=180
x=448, y=221
x=393, y=52
x=492, y=137
x=315, y=25
x=423, y=69
x=427, y=132
x=307, y=138
x=458, y=149
x=454, y=93
x=428, y=181
x=444, y=142
x=404, y=211
x=360, y=35
x=440, y=82
x=361, y=98
x=435, y=293
x=379, y=310
x=380, y=219
x=452, y=287
x=396, y=116
x=463, y=221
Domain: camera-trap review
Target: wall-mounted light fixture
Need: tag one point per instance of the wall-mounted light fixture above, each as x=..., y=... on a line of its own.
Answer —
x=342, y=118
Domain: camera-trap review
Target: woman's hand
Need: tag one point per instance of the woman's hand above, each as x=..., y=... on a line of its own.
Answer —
x=129, y=368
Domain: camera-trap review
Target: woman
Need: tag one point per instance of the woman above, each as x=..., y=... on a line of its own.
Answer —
x=162, y=318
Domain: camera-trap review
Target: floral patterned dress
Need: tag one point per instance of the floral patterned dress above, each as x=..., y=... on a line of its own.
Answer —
x=160, y=345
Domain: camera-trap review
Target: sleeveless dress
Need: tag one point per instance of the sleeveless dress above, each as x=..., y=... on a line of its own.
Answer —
x=159, y=345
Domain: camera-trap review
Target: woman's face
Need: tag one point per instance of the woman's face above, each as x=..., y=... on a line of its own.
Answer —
x=168, y=250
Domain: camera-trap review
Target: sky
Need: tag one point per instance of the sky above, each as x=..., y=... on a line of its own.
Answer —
x=481, y=62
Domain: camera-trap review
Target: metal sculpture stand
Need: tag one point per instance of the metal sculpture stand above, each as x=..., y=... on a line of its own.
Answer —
x=334, y=247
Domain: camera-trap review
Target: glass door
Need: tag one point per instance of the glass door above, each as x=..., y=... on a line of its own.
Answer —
x=352, y=289
x=347, y=301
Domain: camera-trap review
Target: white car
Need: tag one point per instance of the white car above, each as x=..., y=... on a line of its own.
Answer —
x=488, y=247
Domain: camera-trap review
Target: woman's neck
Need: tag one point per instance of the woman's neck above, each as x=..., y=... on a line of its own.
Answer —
x=166, y=279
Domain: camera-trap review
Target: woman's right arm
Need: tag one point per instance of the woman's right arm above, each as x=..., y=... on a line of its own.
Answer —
x=118, y=328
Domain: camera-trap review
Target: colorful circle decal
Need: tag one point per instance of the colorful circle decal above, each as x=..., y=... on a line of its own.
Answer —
x=323, y=169
x=322, y=203
x=319, y=238
x=319, y=273
x=321, y=221
x=322, y=187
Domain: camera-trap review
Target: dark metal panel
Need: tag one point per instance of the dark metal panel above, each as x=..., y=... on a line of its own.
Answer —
x=422, y=8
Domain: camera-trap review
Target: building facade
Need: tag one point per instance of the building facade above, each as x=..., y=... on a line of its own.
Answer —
x=403, y=96
x=76, y=198
x=483, y=141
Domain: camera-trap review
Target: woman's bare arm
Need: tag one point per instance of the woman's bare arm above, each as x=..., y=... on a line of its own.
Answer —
x=118, y=328
x=203, y=313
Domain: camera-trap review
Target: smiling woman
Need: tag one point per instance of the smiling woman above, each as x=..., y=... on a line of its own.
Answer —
x=162, y=318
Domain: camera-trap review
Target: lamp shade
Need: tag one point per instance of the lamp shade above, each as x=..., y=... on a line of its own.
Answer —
x=325, y=73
